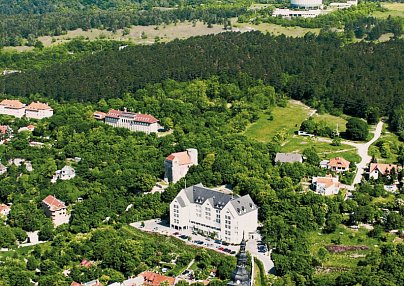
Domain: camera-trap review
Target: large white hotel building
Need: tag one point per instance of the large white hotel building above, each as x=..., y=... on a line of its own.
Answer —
x=209, y=211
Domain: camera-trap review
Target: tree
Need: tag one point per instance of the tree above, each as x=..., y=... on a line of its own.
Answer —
x=311, y=156
x=357, y=129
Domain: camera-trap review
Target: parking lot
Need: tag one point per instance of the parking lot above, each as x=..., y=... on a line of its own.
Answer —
x=192, y=238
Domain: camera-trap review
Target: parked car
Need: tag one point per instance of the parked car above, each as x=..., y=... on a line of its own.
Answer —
x=184, y=236
x=218, y=241
x=221, y=248
x=233, y=252
x=176, y=233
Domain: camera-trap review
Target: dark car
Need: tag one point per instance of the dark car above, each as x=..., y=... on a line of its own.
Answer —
x=233, y=252
x=176, y=233
x=184, y=236
x=218, y=241
x=225, y=243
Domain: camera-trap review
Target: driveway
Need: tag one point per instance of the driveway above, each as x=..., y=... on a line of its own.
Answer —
x=363, y=149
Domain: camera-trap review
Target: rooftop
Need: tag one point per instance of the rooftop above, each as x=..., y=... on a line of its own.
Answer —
x=12, y=103
x=53, y=203
x=154, y=279
x=139, y=117
x=339, y=162
x=288, y=157
x=39, y=106
x=182, y=157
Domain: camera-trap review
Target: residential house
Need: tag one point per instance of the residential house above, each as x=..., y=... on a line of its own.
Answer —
x=5, y=131
x=67, y=173
x=324, y=164
x=38, y=110
x=176, y=165
x=155, y=279
x=56, y=210
x=227, y=216
x=12, y=107
x=377, y=169
x=29, y=128
x=288, y=158
x=99, y=115
x=91, y=283
x=134, y=281
x=326, y=186
x=339, y=165
x=3, y=169
x=132, y=121
x=4, y=209
x=19, y=161
x=85, y=263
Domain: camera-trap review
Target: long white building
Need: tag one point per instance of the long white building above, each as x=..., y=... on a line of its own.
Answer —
x=38, y=110
x=209, y=211
x=132, y=121
x=12, y=107
x=35, y=110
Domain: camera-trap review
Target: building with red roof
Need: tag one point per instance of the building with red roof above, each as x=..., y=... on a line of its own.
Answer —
x=4, y=209
x=154, y=279
x=56, y=210
x=132, y=121
x=377, y=169
x=327, y=185
x=176, y=165
x=38, y=110
x=12, y=107
x=338, y=164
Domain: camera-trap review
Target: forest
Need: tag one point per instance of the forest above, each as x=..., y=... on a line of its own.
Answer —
x=205, y=114
x=319, y=70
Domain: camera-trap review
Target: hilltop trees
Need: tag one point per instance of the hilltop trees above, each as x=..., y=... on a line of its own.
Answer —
x=357, y=129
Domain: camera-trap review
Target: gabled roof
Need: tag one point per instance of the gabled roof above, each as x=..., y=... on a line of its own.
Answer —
x=288, y=157
x=198, y=194
x=182, y=157
x=154, y=279
x=339, y=162
x=53, y=203
x=4, y=207
x=139, y=117
x=38, y=106
x=11, y=103
x=383, y=168
x=327, y=181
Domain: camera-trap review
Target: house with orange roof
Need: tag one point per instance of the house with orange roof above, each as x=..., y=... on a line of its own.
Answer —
x=12, y=107
x=326, y=186
x=338, y=164
x=90, y=283
x=38, y=110
x=29, y=128
x=155, y=279
x=133, y=121
x=377, y=169
x=176, y=165
x=99, y=115
x=56, y=210
x=4, y=209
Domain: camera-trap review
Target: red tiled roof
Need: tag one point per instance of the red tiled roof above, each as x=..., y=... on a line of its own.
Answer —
x=74, y=283
x=53, y=203
x=383, y=168
x=154, y=279
x=38, y=106
x=135, y=116
x=4, y=207
x=182, y=157
x=339, y=162
x=86, y=263
x=12, y=103
x=3, y=129
x=328, y=181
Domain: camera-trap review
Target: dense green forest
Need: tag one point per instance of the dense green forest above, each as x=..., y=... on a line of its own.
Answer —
x=319, y=70
x=118, y=166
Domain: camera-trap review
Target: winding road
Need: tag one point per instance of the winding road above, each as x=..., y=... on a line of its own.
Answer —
x=363, y=149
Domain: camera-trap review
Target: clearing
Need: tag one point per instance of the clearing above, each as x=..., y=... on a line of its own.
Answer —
x=393, y=9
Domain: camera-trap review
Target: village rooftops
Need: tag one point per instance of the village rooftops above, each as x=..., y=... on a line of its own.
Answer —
x=182, y=157
x=139, y=117
x=53, y=203
x=11, y=103
x=154, y=279
x=38, y=106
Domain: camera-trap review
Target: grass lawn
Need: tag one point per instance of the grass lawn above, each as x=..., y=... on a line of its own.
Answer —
x=394, y=10
x=284, y=118
x=332, y=121
x=257, y=275
x=287, y=31
x=347, y=237
x=394, y=141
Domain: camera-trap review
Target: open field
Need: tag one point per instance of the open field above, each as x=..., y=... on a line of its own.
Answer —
x=332, y=121
x=284, y=118
x=345, y=237
x=279, y=30
x=394, y=10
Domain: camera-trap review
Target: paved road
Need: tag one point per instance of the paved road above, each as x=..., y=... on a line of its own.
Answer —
x=363, y=149
x=158, y=226
x=363, y=152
